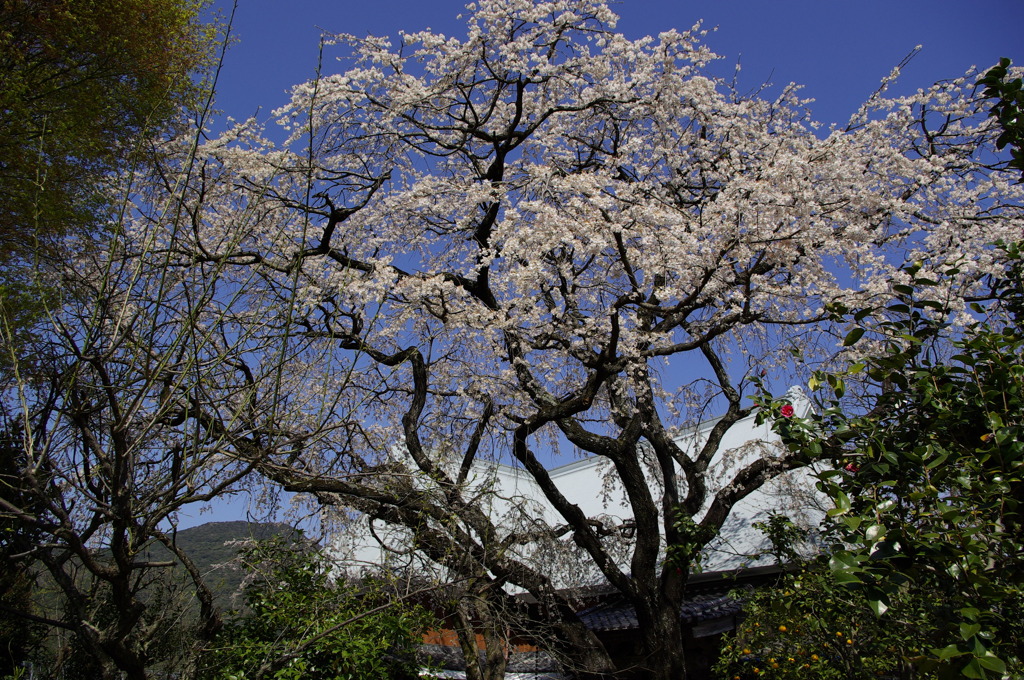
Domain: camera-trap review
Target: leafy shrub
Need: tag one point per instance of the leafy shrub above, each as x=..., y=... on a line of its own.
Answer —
x=302, y=623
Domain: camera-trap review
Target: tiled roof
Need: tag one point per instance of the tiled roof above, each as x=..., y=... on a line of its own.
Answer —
x=531, y=662
x=703, y=606
x=450, y=658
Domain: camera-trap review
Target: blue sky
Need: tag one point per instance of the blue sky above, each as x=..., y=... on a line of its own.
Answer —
x=838, y=50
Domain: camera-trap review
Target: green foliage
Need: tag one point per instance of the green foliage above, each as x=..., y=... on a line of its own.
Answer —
x=809, y=627
x=303, y=624
x=1008, y=109
x=18, y=636
x=784, y=537
x=928, y=480
x=23, y=309
x=686, y=552
x=80, y=82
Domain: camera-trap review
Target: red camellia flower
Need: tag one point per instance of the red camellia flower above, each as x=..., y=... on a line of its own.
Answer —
x=786, y=411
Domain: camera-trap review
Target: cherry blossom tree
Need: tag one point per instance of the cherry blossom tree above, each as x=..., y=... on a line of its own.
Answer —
x=546, y=235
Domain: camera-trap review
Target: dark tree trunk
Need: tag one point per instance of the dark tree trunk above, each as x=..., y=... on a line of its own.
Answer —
x=662, y=642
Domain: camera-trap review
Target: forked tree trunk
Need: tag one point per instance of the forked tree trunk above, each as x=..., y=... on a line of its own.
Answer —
x=474, y=614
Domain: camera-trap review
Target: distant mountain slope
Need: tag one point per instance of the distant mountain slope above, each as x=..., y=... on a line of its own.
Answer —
x=214, y=546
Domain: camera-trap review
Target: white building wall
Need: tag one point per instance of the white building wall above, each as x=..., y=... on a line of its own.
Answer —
x=512, y=495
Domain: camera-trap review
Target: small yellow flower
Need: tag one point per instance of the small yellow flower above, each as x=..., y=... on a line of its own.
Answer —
x=849, y=641
x=782, y=629
x=814, y=657
x=985, y=437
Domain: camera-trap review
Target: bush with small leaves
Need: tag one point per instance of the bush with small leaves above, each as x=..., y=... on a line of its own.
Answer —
x=302, y=623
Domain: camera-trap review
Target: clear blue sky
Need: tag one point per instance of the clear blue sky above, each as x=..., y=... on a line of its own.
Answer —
x=838, y=50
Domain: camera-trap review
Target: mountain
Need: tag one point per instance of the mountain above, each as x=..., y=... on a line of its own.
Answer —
x=214, y=546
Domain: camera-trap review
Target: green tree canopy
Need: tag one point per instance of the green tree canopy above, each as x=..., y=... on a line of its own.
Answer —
x=79, y=81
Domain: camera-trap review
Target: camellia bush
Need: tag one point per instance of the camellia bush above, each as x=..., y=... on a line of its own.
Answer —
x=1008, y=92
x=927, y=479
